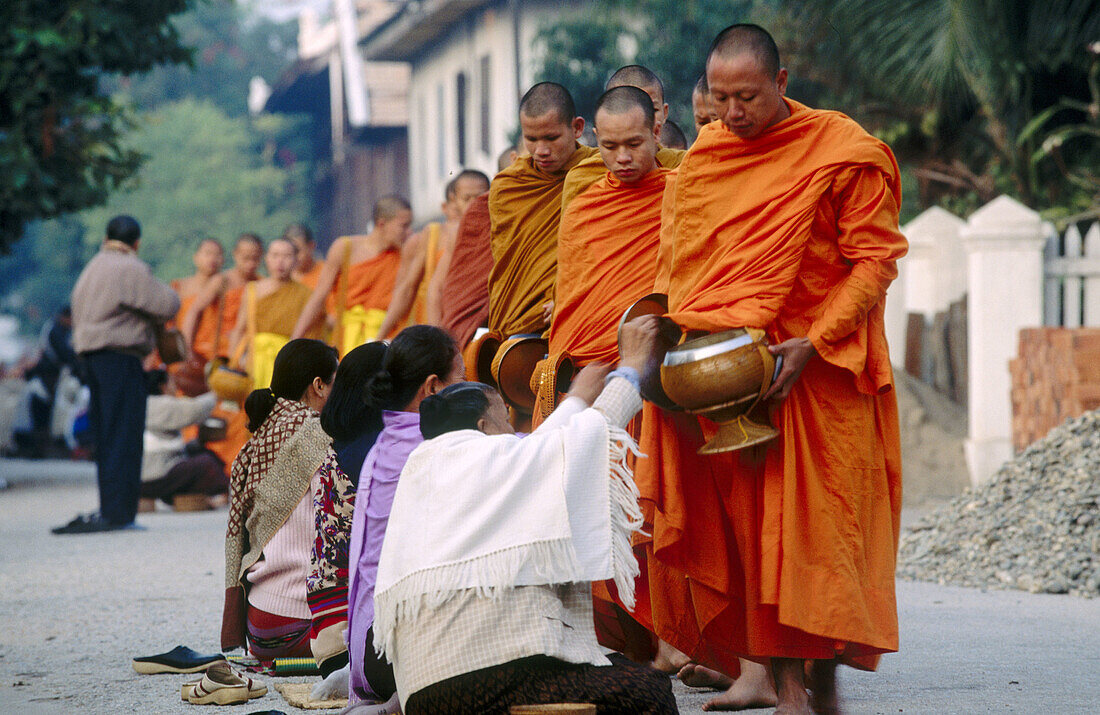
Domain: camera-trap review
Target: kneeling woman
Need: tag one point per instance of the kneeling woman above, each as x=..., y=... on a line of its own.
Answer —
x=483, y=598
x=270, y=531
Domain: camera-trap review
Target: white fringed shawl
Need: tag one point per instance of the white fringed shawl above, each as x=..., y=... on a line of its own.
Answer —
x=490, y=513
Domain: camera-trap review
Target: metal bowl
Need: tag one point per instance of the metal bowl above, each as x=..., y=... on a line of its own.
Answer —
x=670, y=334
x=722, y=377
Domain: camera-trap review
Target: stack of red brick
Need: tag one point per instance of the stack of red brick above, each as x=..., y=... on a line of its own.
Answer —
x=1056, y=376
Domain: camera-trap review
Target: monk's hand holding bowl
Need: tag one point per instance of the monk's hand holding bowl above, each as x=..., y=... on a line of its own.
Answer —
x=547, y=312
x=796, y=353
x=588, y=384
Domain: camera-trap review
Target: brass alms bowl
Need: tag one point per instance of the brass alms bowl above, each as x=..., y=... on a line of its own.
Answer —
x=723, y=377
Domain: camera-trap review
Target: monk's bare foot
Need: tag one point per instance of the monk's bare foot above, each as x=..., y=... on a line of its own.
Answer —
x=790, y=687
x=752, y=689
x=823, y=693
x=668, y=659
x=697, y=676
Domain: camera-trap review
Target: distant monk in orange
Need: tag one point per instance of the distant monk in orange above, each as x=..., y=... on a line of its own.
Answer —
x=215, y=308
x=223, y=298
x=423, y=256
x=525, y=210
x=786, y=219
x=701, y=105
x=464, y=294
x=270, y=310
x=461, y=193
x=592, y=169
x=360, y=272
x=208, y=259
x=308, y=269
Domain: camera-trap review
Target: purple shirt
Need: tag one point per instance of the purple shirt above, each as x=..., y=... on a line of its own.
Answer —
x=377, y=484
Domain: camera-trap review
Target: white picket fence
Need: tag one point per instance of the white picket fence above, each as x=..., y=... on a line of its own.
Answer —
x=1071, y=276
x=1016, y=272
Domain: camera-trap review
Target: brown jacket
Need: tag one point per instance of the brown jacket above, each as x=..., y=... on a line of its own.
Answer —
x=117, y=303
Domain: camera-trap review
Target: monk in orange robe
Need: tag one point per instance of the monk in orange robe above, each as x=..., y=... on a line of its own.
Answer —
x=208, y=259
x=360, y=273
x=701, y=106
x=607, y=249
x=219, y=306
x=525, y=211
x=308, y=269
x=464, y=294
x=212, y=314
x=784, y=218
x=425, y=256
x=593, y=169
x=269, y=312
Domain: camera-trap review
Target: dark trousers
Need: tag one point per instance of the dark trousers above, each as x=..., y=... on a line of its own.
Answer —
x=622, y=688
x=117, y=416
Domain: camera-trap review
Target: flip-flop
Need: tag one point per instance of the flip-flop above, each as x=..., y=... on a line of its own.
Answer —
x=221, y=685
x=180, y=659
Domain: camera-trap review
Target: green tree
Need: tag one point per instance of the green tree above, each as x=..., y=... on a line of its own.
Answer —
x=60, y=134
x=582, y=50
x=968, y=79
x=578, y=52
x=231, y=46
x=207, y=174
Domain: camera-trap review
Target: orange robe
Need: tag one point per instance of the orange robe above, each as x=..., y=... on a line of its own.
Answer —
x=791, y=554
x=525, y=210
x=418, y=314
x=466, y=288
x=369, y=287
x=607, y=250
x=310, y=278
x=592, y=169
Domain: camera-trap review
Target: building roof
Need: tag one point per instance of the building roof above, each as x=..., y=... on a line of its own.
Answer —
x=304, y=88
x=408, y=32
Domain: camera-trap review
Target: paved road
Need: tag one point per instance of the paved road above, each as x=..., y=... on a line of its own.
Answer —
x=74, y=610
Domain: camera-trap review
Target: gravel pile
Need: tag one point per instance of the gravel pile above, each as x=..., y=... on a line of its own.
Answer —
x=1035, y=526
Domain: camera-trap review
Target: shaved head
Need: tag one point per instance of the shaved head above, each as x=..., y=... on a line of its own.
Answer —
x=636, y=76
x=546, y=97
x=701, y=85
x=623, y=99
x=470, y=174
x=210, y=243
x=249, y=238
x=506, y=157
x=387, y=207
x=750, y=39
x=672, y=136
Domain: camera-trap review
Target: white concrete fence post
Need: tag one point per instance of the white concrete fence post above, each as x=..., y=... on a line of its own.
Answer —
x=1004, y=247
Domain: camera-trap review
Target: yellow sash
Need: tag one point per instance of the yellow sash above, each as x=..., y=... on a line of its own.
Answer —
x=359, y=325
x=265, y=346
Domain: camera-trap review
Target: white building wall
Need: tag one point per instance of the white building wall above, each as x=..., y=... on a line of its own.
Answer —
x=433, y=136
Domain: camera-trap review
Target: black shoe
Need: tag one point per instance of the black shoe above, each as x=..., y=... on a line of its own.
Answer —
x=180, y=659
x=88, y=524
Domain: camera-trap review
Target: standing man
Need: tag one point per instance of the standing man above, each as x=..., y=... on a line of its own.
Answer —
x=117, y=304
x=525, y=210
x=786, y=219
x=360, y=273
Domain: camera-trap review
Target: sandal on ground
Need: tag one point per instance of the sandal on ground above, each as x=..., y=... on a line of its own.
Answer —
x=221, y=685
x=256, y=689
